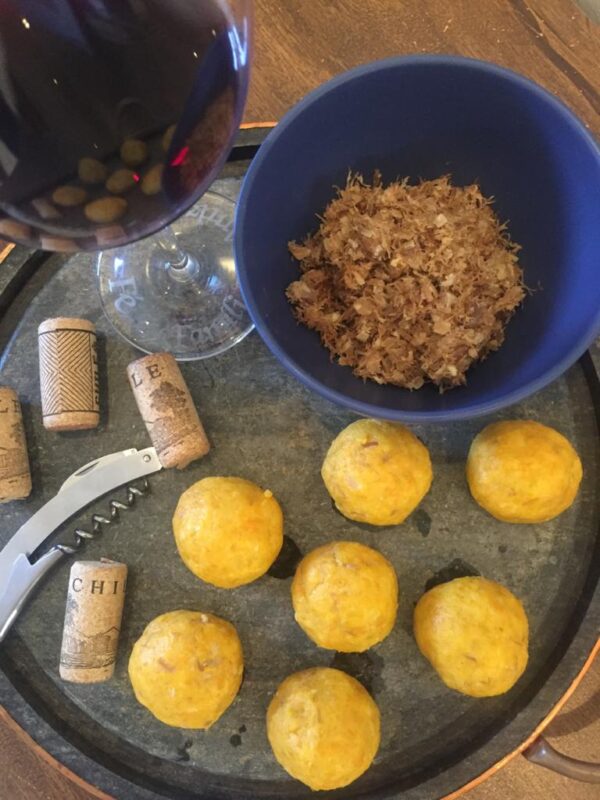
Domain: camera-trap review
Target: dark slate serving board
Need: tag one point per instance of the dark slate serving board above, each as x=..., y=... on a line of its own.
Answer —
x=266, y=427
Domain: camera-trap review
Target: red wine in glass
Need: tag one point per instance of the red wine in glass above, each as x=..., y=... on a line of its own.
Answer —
x=115, y=115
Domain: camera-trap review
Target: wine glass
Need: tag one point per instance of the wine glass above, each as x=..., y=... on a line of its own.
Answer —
x=115, y=118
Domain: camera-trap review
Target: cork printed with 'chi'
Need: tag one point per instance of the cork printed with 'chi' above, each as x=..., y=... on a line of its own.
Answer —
x=68, y=374
x=92, y=620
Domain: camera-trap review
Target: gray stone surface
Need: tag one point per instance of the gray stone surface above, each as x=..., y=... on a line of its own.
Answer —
x=10, y=266
x=266, y=427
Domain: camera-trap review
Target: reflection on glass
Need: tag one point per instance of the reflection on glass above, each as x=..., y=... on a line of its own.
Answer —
x=113, y=111
x=115, y=117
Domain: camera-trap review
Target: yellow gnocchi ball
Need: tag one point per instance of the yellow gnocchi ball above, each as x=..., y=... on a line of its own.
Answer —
x=121, y=181
x=105, y=209
x=91, y=170
x=345, y=596
x=377, y=472
x=152, y=180
x=167, y=137
x=186, y=668
x=228, y=530
x=522, y=471
x=13, y=229
x=323, y=727
x=134, y=152
x=474, y=633
x=69, y=196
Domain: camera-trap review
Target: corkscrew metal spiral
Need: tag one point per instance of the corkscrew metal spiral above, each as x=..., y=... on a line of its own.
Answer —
x=81, y=535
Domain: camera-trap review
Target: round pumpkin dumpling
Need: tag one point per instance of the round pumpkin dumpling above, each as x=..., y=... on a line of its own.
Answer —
x=324, y=727
x=377, y=472
x=474, y=633
x=228, y=530
x=522, y=471
x=186, y=668
x=345, y=596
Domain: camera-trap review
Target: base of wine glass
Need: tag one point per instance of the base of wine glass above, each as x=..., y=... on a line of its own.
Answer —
x=177, y=291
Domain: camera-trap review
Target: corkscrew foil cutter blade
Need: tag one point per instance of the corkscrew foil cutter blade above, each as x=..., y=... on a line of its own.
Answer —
x=18, y=575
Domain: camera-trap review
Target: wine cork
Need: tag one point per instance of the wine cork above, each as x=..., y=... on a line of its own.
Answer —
x=15, y=478
x=68, y=374
x=168, y=410
x=92, y=621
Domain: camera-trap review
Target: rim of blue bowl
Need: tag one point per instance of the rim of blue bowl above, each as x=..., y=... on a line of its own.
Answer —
x=369, y=409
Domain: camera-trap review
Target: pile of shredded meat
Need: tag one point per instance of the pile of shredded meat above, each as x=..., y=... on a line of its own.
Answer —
x=408, y=284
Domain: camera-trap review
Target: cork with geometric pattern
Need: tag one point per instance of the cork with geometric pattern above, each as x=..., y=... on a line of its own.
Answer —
x=68, y=374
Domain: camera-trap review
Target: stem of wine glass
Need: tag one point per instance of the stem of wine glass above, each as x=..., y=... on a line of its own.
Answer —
x=177, y=291
x=180, y=264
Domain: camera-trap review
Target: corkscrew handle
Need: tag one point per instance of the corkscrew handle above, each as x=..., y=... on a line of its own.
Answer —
x=18, y=574
x=22, y=580
x=24, y=576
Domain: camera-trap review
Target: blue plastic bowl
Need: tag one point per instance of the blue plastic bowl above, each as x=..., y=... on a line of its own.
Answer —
x=425, y=116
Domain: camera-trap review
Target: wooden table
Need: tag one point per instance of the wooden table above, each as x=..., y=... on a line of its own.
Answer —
x=298, y=45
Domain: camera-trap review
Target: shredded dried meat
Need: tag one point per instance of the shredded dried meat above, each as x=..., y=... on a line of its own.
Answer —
x=408, y=284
